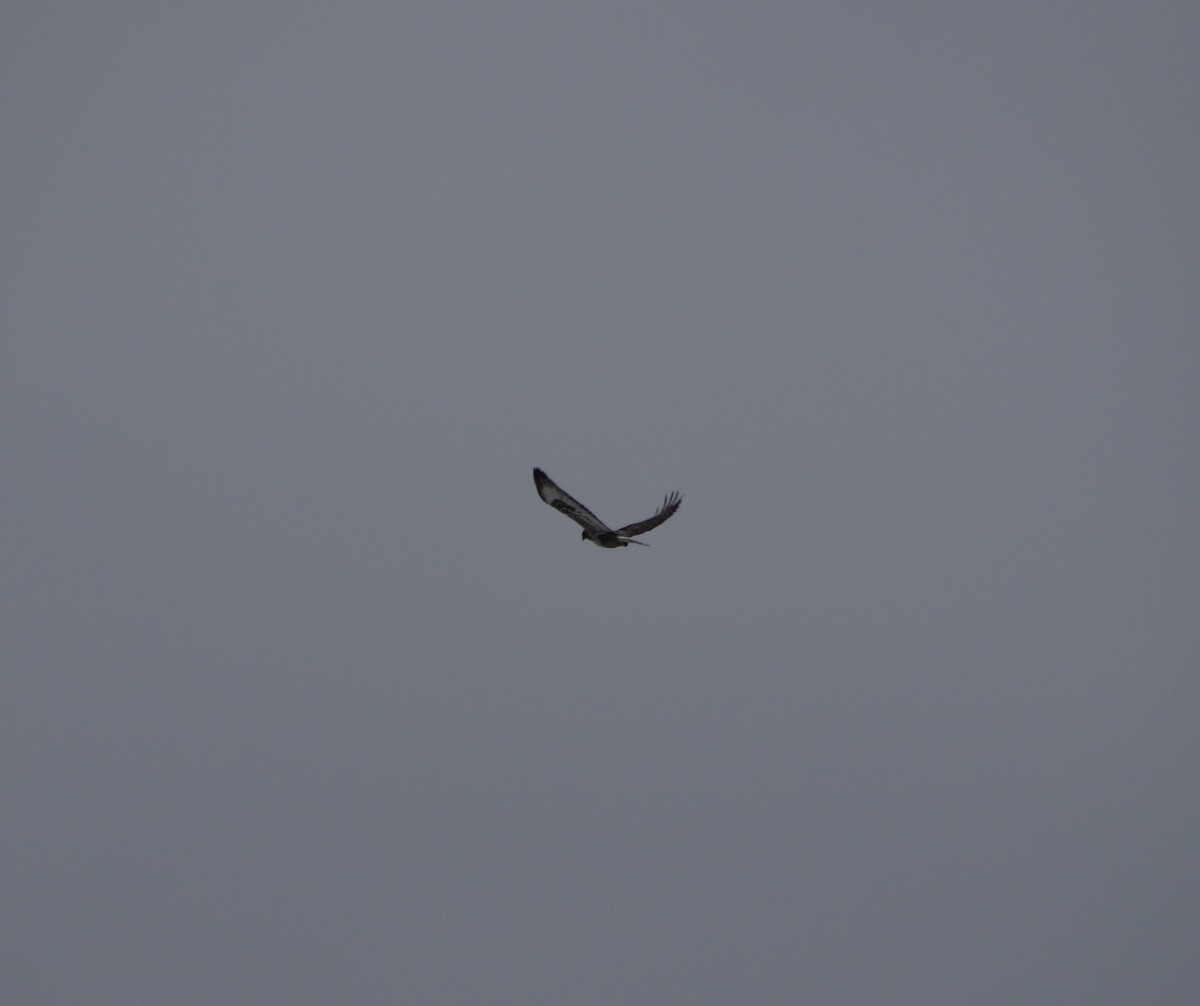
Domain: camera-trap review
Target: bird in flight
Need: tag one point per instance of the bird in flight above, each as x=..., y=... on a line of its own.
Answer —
x=594, y=529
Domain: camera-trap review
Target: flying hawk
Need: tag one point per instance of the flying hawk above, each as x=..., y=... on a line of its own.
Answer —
x=594, y=529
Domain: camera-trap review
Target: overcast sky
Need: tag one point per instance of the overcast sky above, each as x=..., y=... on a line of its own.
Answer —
x=308, y=699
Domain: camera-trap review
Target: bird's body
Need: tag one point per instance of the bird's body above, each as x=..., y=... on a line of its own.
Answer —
x=606, y=540
x=594, y=529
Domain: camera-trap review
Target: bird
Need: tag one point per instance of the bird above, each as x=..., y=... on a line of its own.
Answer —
x=594, y=529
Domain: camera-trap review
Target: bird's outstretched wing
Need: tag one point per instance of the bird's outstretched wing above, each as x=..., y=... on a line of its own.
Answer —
x=565, y=503
x=670, y=505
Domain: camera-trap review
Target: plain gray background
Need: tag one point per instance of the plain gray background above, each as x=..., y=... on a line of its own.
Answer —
x=308, y=699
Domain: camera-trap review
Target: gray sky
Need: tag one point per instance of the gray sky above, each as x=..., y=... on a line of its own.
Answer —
x=308, y=699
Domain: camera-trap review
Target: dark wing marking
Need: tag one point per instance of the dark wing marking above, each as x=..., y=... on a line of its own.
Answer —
x=565, y=503
x=670, y=505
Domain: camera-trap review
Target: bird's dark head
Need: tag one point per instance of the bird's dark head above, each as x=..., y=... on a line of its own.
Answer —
x=583, y=536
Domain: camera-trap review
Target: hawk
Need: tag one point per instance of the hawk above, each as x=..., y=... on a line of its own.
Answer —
x=594, y=529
